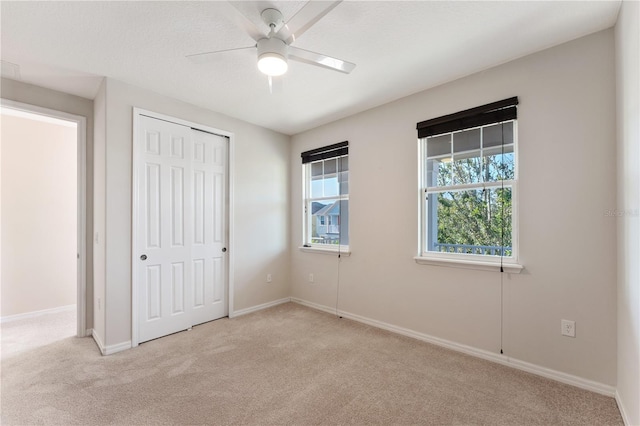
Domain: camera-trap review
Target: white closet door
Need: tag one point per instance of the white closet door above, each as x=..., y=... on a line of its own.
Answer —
x=180, y=230
x=209, y=227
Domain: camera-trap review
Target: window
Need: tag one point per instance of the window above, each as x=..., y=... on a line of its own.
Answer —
x=326, y=197
x=469, y=183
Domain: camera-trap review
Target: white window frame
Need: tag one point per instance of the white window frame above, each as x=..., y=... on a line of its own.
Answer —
x=464, y=260
x=307, y=245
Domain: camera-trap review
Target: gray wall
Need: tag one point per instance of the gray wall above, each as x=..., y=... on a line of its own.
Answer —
x=46, y=98
x=566, y=121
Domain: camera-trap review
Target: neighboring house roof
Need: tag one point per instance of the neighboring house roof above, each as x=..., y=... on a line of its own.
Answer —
x=329, y=210
x=315, y=206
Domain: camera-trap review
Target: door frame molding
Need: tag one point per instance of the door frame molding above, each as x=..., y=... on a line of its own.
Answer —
x=137, y=113
x=81, y=138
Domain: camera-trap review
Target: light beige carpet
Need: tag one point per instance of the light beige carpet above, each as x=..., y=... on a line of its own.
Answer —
x=27, y=334
x=288, y=365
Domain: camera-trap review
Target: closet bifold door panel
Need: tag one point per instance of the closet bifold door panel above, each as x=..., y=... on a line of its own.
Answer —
x=208, y=246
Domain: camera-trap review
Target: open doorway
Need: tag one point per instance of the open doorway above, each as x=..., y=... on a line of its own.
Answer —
x=42, y=279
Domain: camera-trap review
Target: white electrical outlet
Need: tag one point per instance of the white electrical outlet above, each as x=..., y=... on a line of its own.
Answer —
x=268, y=278
x=568, y=328
x=310, y=278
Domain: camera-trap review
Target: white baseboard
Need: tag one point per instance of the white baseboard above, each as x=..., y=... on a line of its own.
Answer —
x=469, y=350
x=315, y=306
x=112, y=349
x=98, y=340
x=34, y=314
x=259, y=307
x=623, y=410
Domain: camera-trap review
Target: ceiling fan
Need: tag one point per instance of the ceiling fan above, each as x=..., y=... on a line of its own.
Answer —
x=274, y=49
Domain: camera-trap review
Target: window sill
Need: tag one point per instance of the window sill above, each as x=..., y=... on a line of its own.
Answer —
x=510, y=268
x=323, y=250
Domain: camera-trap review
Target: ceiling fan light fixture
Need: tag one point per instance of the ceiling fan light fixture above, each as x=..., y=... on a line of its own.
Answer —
x=272, y=64
x=272, y=56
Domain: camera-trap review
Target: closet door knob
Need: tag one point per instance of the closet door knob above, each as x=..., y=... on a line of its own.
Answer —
x=224, y=249
x=143, y=257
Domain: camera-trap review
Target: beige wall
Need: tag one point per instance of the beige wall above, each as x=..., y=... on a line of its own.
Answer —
x=47, y=98
x=628, y=206
x=261, y=203
x=39, y=215
x=566, y=121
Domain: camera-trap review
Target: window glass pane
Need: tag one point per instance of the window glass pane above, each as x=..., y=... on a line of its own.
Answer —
x=316, y=168
x=344, y=222
x=326, y=222
x=344, y=183
x=343, y=164
x=439, y=146
x=330, y=166
x=466, y=169
x=499, y=164
x=315, y=206
x=466, y=140
x=439, y=173
x=473, y=221
x=317, y=187
x=493, y=135
x=331, y=186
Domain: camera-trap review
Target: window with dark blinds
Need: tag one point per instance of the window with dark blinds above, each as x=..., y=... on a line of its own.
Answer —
x=469, y=183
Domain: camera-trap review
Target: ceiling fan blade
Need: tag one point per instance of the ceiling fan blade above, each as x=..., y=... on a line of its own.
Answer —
x=310, y=13
x=276, y=84
x=200, y=58
x=238, y=18
x=320, y=60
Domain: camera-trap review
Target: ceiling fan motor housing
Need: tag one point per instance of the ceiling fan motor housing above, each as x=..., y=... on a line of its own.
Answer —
x=272, y=45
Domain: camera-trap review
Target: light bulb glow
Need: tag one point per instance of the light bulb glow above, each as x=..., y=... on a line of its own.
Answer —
x=272, y=64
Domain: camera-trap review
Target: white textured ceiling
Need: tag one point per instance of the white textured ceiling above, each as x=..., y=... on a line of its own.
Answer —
x=400, y=48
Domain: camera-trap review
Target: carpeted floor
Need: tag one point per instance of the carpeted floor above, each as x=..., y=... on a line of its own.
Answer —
x=27, y=334
x=288, y=365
